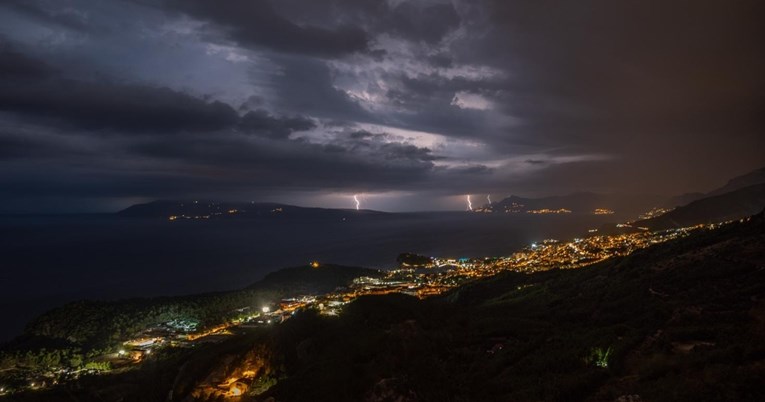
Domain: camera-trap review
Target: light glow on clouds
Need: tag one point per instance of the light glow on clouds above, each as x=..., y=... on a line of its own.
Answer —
x=426, y=109
x=369, y=80
x=467, y=100
x=455, y=153
x=229, y=53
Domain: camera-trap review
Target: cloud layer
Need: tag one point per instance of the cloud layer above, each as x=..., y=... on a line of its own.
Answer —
x=103, y=104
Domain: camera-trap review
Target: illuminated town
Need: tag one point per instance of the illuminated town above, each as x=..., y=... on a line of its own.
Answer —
x=654, y=213
x=429, y=276
x=382, y=200
x=521, y=208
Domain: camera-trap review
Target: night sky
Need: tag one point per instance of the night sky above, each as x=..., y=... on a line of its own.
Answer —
x=412, y=104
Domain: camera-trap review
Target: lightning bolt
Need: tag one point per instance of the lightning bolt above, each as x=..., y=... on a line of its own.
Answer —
x=488, y=197
x=356, y=199
x=469, y=203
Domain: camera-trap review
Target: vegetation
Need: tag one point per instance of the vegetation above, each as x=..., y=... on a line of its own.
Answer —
x=322, y=278
x=76, y=334
x=413, y=260
x=599, y=357
x=679, y=321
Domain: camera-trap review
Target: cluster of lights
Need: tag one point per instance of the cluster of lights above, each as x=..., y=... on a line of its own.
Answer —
x=539, y=256
x=549, y=211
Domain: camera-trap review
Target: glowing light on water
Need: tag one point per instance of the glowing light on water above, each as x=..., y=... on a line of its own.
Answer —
x=469, y=203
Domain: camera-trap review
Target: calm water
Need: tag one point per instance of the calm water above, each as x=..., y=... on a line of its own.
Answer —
x=46, y=261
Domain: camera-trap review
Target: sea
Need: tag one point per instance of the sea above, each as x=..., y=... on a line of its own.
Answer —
x=46, y=261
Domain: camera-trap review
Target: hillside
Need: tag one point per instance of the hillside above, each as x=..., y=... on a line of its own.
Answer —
x=312, y=279
x=733, y=205
x=625, y=205
x=739, y=182
x=680, y=321
x=95, y=325
x=745, y=180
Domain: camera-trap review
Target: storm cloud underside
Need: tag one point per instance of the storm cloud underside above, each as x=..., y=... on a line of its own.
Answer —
x=412, y=103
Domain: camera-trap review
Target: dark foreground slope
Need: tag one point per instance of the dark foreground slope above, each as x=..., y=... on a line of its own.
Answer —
x=717, y=208
x=681, y=321
x=95, y=325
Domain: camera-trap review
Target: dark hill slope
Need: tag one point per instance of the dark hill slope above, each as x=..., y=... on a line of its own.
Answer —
x=733, y=205
x=749, y=179
x=745, y=180
x=625, y=205
x=680, y=321
x=96, y=323
x=308, y=279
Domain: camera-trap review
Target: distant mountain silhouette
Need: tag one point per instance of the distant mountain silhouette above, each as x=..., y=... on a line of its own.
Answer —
x=739, y=182
x=583, y=202
x=211, y=210
x=718, y=208
x=749, y=179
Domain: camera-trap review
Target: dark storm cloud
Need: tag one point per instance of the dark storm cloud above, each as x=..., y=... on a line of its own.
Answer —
x=31, y=87
x=302, y=160
x=67, y=18
x=395, y=150
x=233, y=158
x=260, y=122
x=428, y=23
x=306, y=85
x=362, y=134
x=236, y=161
x=472, y=170
x=97, y=106
x=17, y=66
x=15, y=146
x=430, y=96
x=602, y=65
x=256, y=23
x=427, y=102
